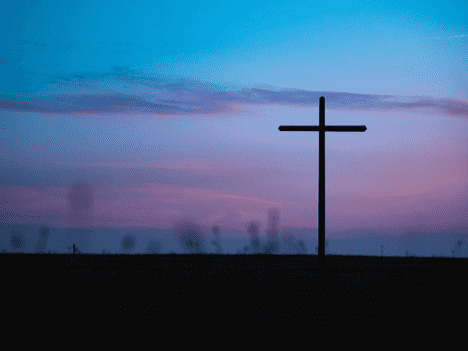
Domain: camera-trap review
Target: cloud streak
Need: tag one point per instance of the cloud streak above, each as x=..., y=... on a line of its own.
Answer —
x=452, y=37
x=127, y=92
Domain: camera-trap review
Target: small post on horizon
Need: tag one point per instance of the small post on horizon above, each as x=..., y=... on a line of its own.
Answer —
x=73, y=248
x=322, y=128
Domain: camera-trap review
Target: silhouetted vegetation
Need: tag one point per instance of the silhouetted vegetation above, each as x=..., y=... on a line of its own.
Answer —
x=216, y=230
x=17, y=241
x=302, y=248
x=272, y=246
x=153, y=247
x=189, y=235
x=41, y=244
x=77, y=250
x=254, y=233
x=459, y=244
x=128, y=242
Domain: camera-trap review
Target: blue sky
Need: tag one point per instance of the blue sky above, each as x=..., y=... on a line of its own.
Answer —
x=361, y=47
x=170, y=109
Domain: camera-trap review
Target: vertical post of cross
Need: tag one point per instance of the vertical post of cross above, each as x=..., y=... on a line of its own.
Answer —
x=321, y=189
x=322, y=128
x=73, y=248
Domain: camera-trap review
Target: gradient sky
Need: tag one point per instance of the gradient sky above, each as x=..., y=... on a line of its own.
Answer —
x=171, y=109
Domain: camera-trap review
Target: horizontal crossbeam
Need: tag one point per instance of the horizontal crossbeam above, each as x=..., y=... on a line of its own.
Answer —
x=320, y=128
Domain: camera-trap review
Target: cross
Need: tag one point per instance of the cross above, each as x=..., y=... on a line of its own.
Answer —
x=322, y=128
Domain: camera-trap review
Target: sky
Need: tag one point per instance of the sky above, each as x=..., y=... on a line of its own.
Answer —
x=167, y=110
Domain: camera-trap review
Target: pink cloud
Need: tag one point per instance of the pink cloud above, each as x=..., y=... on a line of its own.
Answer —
x=134, y=94
x=153, y=205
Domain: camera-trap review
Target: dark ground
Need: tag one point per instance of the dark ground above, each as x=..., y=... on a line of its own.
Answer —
x=267, y=295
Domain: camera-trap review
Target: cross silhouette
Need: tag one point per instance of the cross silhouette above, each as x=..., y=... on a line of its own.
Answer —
x=322, y=128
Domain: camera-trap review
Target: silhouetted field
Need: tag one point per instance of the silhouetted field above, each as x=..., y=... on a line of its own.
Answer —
x=228, y=294
x=261, y=289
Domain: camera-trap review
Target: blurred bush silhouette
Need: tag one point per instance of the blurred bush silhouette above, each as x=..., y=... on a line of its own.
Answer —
x=302, y=248
x=216, y=233
x=458, y=245
x=253, y=229
x=153, y=247
x=218, y=248
x=273, y=245
x=189, y=235
x=42, y=240
x=293, y=247
x=17, y=241
x=128, y=242
x=288, y=244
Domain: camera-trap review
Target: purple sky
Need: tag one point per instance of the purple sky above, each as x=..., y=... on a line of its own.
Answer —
x=159, y=142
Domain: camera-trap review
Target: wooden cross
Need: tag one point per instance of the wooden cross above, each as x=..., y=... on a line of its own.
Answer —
x=322, y=128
